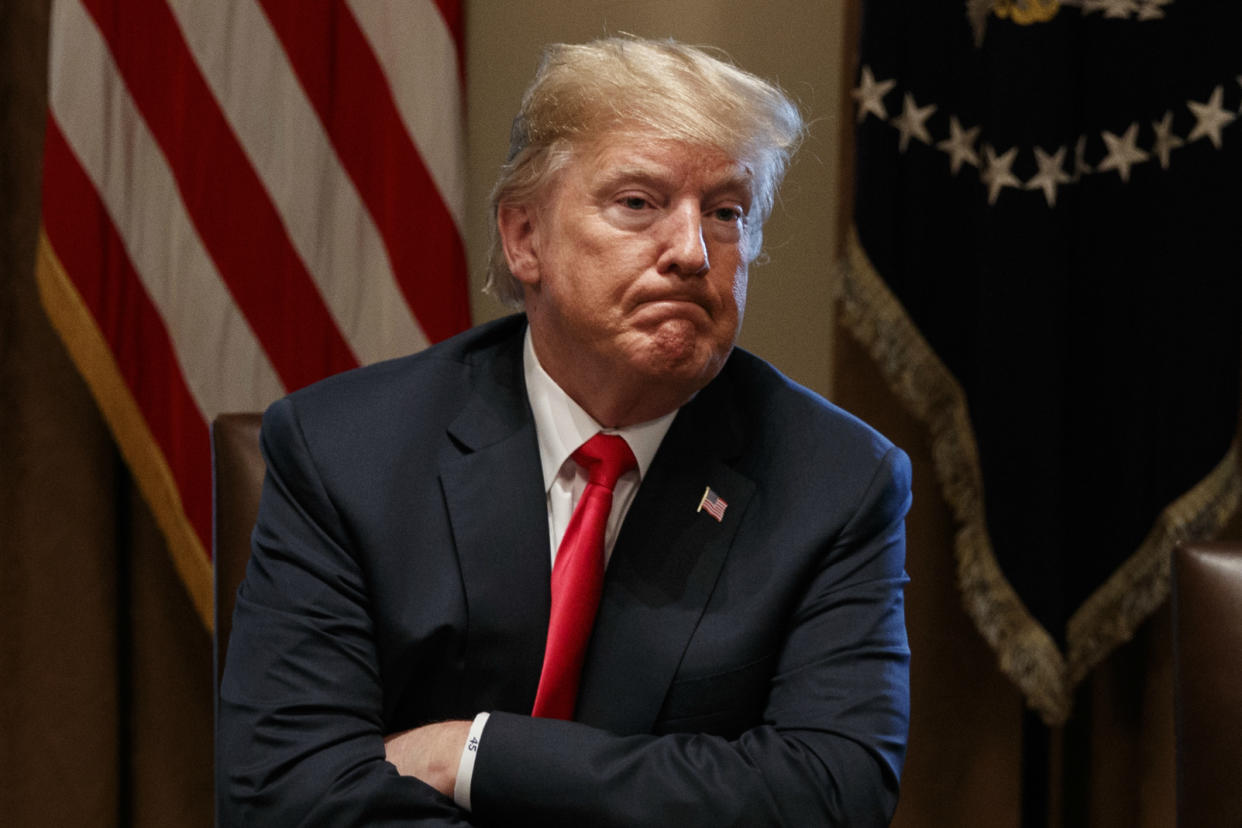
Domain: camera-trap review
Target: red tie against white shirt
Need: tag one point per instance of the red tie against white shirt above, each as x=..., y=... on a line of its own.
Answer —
x=578, y=576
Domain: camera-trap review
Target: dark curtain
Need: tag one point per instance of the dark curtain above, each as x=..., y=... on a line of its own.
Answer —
x=105, y=669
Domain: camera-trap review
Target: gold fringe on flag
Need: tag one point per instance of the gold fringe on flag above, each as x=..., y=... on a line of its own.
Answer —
x=1111, y=615
x=90, y=352
x=1027, y=654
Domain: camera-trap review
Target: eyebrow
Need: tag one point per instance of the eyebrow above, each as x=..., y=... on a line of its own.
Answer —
x=631, y=173
x=739, y=181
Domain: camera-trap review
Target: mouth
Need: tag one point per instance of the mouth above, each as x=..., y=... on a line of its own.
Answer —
x=666, y=307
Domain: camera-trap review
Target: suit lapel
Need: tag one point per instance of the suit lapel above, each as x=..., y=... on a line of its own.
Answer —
x=497, y=508
x=664, y=567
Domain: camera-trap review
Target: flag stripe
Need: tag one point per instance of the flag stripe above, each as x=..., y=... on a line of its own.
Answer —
x=348, y=89
x=450, y=12
x=222, y=360
x=89, y=247
x=419, y=29
x=221, y=191
x=319, y=207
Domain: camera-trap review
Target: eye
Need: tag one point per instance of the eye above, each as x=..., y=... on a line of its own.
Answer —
x=633, y=202
x=727, y=214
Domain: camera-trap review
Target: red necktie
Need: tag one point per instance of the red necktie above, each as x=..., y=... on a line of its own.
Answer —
x=578, y=576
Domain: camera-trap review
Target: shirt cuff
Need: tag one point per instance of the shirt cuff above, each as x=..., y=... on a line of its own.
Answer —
x=465, y=768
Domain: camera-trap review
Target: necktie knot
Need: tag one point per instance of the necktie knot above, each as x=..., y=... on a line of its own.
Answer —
x=605, y=457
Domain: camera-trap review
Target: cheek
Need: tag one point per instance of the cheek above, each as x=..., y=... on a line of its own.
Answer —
x=734, y=288
x=740, y=284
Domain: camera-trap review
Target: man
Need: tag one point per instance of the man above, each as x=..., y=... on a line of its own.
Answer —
x=415, y=591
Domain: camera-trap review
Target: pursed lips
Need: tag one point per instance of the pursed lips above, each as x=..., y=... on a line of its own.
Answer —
x=672, y=305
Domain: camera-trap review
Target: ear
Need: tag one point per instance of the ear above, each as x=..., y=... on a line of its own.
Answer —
x=516, y=225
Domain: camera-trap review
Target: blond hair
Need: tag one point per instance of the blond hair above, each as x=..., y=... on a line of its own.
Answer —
x=662, y=87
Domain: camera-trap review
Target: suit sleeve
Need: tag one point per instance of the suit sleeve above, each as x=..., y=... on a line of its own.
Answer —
x=829, y=751
x=299, y=738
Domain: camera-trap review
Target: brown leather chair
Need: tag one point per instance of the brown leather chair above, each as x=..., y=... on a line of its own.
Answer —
x=238, y=468
x=1207, y=653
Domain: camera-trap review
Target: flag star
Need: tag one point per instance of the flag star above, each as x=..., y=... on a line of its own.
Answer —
x=1122, y=152
x=1210, y=117
x=1089, y=6
x=960, y=145
x=998, y=173
x=1120, y=9
x=1050, y=174
x=870, y=95
x=977, y=12
x=912, y=122
x=1166, y=141
x=1081, y=167
x=1151, y=10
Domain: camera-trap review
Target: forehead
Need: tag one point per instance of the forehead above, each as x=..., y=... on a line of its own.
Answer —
x=624, y=157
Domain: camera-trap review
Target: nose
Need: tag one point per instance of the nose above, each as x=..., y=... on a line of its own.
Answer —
x=685, y=250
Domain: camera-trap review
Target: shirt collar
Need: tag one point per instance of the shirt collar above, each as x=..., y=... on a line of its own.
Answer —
x=562, y=425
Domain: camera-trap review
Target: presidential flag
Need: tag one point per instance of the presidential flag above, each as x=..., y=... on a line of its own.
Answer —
x=239, y=199
x=1047, y=267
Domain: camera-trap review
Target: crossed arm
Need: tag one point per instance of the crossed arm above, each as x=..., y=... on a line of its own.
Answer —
x=430, y=754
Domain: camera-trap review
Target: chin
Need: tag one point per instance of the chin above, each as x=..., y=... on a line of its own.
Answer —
x=695, y=364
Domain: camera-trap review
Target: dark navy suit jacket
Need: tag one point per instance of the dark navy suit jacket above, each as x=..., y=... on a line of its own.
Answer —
x=749, y=671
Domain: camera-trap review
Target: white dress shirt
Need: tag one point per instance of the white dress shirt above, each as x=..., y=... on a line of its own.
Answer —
x=561, y=426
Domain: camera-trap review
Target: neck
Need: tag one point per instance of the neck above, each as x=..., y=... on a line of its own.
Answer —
x=626, y=409
x=620, y=400
x=617, y=403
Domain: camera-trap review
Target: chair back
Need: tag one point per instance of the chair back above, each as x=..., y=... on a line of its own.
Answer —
x=1207, y=658
x=237, y=473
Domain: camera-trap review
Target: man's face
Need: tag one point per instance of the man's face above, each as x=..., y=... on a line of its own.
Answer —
x=637, y=265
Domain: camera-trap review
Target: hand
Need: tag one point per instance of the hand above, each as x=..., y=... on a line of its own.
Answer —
x=430, y=753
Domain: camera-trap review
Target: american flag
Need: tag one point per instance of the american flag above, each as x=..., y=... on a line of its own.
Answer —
x=239, y=199
x=713, y=504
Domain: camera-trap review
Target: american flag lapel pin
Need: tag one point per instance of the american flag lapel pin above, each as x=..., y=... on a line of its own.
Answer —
x=713, y=504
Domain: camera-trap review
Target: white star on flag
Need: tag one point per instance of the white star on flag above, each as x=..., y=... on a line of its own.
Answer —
x=1151, y=9
x=1117, y=9
x=999, y=174
x=1081, y=167
x=1122, y=152
x=870, y=95
x=1210, y=117
x=1120, y=9
x=1050, y=174
x=960, y=145
x=1166, y=141
x=913, y=122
